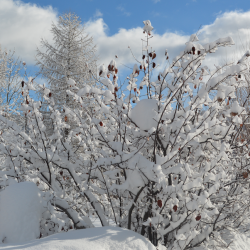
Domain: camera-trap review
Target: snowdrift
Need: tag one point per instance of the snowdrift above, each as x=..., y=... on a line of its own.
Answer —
x=102, y=238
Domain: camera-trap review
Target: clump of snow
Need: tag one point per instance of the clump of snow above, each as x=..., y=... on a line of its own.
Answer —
x=102, y=238
x=148, y=27
x=20, y=212
x=144, y=113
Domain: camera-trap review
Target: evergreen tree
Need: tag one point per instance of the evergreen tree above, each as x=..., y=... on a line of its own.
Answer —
x=69, y=63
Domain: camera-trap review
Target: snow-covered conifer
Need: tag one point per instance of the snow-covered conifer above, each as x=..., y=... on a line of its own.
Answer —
x=69, y=63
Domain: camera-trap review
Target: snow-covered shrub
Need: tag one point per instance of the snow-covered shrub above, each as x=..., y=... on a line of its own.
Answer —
x=165, y=166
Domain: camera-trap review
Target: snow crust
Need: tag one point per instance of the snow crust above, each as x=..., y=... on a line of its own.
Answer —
x=143, y=114
x=102, y=238
x=20, y=212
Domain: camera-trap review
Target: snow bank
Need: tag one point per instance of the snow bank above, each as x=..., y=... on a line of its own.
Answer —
x=143, y=114
x=20, y=212
x=237, y=241
x=102, y=238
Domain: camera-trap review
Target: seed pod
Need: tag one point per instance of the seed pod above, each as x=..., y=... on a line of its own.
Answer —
x=65, y=118
x=116, y=71
x=100, y=72
x=116, y=89
x=153, y=56
x=101, y=124
x=140, y=66
x=159, y=78
x=143, y=57
x=150, y=54
x=50, y=94
x=175, y=208
x=154, y=65
x=141, y=87
x=22, y=83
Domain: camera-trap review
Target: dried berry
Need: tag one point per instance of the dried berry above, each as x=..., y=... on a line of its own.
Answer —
x=159, y=203
x=233, y=114
x=101, y=124
x=198, y=217
x=245, y=175
x=175, y=208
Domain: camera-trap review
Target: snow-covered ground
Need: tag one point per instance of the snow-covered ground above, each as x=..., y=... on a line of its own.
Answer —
x=238, y=241
x=104, y=238
x=101, y=238
x=20, y=211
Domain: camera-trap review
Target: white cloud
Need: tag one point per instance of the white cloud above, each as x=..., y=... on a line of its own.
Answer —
x=97, y=14
x=117, y=44
x=234, y=24
x=23, y=25
x=123, y=10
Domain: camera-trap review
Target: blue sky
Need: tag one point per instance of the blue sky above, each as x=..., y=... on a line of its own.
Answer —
x=115, y=25
x=180, y=15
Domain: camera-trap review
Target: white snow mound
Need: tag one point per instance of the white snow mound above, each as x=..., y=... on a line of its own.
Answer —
x=102, y=238
x=20, y=212
x=144, y=113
